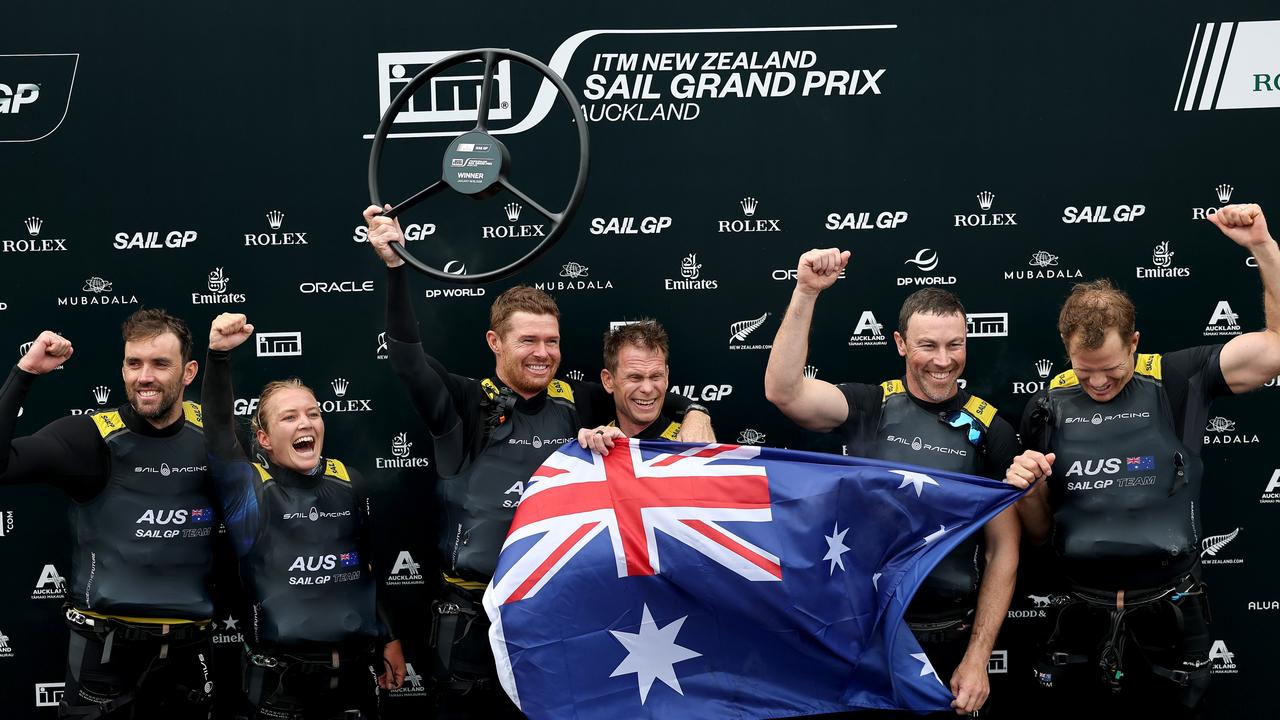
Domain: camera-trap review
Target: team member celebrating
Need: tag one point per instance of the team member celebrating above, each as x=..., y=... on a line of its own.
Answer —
x=923, y=419
x=138, y=602
x=300, y=528
x=1119, y=437
x=489, y=436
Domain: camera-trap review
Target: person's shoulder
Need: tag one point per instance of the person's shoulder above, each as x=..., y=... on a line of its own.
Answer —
x=85, y=427
x=862, y=394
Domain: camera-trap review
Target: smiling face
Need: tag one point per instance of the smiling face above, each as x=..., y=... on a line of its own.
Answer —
x=1103, y=371
x=527, y=354
x=291, y=430
x=155, y=377
x=934, y=348
x=638, y=384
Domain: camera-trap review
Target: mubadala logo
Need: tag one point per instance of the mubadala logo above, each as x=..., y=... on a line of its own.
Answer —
x=1223, y=192
x=335, y=286
x=1271, y=495
x=342, y=404
x=1162, y=264
x=1044, y=266
x=29, y=245
x=925, y=260
x=512, y=211
x=279, y=344
x=751, y=437
x=690, y=270
x=986, y=219
x=1224, y=661
x=217, y=282
x=1212, y=545
x=739, y=331
x=1223, y=321
x=709, y=393
x=750, y=223
x=405, y=571
x=993, y=324
x=629, y=225
x=1044, y=368
x=576, y=278
x=154, y=239
x=97, y=292
x=1222, y=432
x=400, y=447
x=1072, y=215
x=413, y=232
x=227, y=632
x=868, y=332
x=6, y=650
x=51, y=585
x=862, y=220
x=275, y=221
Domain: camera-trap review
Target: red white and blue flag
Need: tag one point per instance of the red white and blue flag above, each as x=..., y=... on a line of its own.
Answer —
x=714, y=581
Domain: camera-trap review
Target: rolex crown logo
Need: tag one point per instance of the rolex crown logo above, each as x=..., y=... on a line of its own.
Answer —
x=513, y=211
x=275, y=219
x=25, y=348
x=748, y=206
x=985, y=198
x=33, y=226
x=339, y=386
x=1224, y=193
x=101, y=393
x=575, y=375
x=810, y=371
x=400, y=446
x=1043, y=368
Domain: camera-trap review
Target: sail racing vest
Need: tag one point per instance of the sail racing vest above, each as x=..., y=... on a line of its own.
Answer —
x=1125, y=488
x=144, y=545
x=480, y=501
x=908, y=433
x=308, y=579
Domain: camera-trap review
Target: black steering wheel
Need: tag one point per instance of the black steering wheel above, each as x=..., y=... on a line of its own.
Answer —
x=476, y=163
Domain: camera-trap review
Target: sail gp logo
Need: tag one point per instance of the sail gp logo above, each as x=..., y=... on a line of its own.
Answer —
x=842, y=64
x=557, y=519
x=35, y=94
x=1231, y=66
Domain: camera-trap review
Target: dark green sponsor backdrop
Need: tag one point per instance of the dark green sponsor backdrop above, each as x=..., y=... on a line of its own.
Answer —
x=214, y=159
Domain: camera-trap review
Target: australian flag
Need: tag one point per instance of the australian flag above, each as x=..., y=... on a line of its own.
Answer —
x=1144, y=462
x=349, y=559
x=723, y=581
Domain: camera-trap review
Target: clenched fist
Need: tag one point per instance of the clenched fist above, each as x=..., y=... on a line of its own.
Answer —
x=382, y=232
x=819, y=269
x=1244, y=224
x=228, y=331
x=47, y=352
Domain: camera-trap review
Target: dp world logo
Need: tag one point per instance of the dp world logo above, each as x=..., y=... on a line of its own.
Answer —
x=926, y=260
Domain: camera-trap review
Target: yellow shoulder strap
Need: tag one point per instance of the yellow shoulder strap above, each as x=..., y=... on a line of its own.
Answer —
x=891, y=387
x=1064, y=379
x=1148, y=364
x=263, y=475
x=193, y=413
x=560, y=389
x=981, y=409
x=108, y=422
x=490, y=388
x=335, y=468
x=673, y=429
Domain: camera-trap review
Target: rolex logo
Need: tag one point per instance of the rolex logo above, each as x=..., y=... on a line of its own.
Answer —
x=25, y=348
x=690, y=266
x=217, y=281
x=513, y=211
x=748, y=206
x=1043, y=368
x=339, y=387
x=101, y=393
x=985, y=198
x=810, y=371
x=33, y=226
x=275, y=219
x=400, y=446
x=1224, y=193
x=575, y=375
x=1162, y=257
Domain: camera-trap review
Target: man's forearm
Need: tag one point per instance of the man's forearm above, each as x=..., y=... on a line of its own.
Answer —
x=1268, y=257
x=993, y=604
x=785, y=372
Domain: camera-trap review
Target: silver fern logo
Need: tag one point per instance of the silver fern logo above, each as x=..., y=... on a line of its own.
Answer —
x=1212, y=545
x=739, y=331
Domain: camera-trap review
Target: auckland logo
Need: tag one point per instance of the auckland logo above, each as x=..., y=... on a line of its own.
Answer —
x=986, y=199
x=97, y=291
x=512, y=211
x=577, y=278
x=1212, y=545
x=51, y=585
x=405, y=571
x=400, y=458
x=1271, y=494
x=6, y=650
x=275, y=221
x=33, y=226
x=1223, y=321
x=1221, y=431
x=1045, y=267
x=749, y=222
x=926, y=261
x=739, y=331
x=690, y=276
x=217, y=282
x=1162, y=264
x=868, y=332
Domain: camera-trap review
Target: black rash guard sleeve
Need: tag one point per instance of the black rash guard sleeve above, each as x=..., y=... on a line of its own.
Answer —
x=864, y=415
x=1001, y=449
x=234, y=479
x=1193, y=380
x=68, y=453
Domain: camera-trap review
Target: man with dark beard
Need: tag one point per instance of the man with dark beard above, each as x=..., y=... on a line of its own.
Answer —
x=138, y=598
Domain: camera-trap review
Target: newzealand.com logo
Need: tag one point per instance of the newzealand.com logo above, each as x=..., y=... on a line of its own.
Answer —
x=1231, y=66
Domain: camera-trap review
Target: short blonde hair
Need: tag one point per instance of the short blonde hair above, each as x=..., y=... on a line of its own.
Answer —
x=1091, y=310
x=259, y=420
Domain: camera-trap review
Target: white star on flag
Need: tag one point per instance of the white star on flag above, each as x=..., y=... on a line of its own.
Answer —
x=942, y=530
x=875, y=580
x=928, y=666
x=836, y=548
x=652, y=653
x=914, y=478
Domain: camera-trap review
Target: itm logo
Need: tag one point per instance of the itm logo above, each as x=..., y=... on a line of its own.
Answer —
x=751, y=224
x=405, y=571
x=1224, y=661
x=1223, y=193
x=982, y=325
x=1223, y=321
x=1213, y=544
x=51, y=585
x=751, y=437
x=101, y=393
x=1231, y=66
x=451, y=97
x=739, y=331
x=279, y=344
x=49, y=694
x=986, y=219
x=33, y=226
x=690, y=270
x=35, y=94
x=868, y=331
x=1162, y=264
x=339, y=386
x=998, y=663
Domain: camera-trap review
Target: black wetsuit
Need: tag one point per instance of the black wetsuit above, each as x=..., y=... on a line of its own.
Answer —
x=139, y=602
x=1125, y=495
x=488, y=441
x=304, y=551
x=887, y=422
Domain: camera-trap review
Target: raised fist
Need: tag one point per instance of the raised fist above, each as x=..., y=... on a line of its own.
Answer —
x=1244, y=224
x=46, y=353
x=229, y=331
x=819, y=269
x=382, y=232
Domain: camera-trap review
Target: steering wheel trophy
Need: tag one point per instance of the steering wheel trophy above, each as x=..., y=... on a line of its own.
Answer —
x=477, y=164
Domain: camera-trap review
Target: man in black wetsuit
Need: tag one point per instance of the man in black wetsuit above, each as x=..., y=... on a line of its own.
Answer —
x=138, y=603
x=637, y=375
x=926, y=419
x=1118, y=437
x=489, y=436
